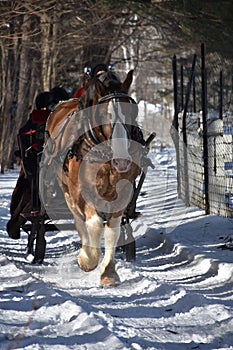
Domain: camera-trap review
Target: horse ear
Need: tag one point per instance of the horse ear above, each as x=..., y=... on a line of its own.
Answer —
x=127, y=82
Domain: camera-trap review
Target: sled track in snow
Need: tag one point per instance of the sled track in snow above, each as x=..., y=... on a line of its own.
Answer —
x=176, y=295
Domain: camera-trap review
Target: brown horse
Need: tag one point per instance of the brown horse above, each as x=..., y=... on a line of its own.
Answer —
x=100, y=166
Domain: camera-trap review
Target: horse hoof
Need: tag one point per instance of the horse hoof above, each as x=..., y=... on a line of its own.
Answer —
x=109, y=281
x=88, y=258
x=37, y=261
x=85, y=267
x=13, y=229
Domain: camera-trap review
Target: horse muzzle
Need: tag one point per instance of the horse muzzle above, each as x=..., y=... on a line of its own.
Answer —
x=122, y=165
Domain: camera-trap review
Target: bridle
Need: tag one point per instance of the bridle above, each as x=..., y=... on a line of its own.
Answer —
x=94, y=135
x=115, y=98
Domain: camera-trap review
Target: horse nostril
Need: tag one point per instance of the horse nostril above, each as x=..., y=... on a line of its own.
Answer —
x=128, y=162
x=121, y=164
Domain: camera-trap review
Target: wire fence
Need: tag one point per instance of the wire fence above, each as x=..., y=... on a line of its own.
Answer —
x=203, y=132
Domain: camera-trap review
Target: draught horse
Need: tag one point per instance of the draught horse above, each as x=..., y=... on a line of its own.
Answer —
x=100, y=168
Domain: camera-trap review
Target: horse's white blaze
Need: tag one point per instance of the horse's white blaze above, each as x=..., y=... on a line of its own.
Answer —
x=120, y=142
x=119, y=136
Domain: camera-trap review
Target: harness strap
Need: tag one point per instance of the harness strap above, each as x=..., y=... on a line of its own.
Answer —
x=91, y=154
x=116, y=95
x=91, y=135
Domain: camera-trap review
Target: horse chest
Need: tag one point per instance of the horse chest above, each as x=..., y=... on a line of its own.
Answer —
x=107, y=184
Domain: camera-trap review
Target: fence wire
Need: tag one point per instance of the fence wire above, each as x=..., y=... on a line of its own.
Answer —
x=191, y=160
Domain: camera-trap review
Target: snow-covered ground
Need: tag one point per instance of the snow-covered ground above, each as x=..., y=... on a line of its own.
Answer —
x=177, y=295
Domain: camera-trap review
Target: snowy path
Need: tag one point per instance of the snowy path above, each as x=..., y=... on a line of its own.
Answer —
x=177, y=295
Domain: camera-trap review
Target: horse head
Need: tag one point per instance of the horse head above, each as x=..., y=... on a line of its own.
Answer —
x=113, y=115
x=104, y=84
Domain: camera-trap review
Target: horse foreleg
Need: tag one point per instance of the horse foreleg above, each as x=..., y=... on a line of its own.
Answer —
x=89, y=230
x=90, y=234
x=109, y=276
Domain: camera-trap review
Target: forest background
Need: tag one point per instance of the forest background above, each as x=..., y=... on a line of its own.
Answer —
x=44, y=44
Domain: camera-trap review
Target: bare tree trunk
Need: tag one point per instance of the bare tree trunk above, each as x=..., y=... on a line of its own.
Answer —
x=2, y=101
x=45, y=52
x=8, y=103
x=22, y=96
x=54, y=49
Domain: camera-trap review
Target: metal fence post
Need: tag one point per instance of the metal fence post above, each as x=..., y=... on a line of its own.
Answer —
x=175, y=123
x=205, y=135
x=181, y=87
x=187, y=99
x=221, y=96
x=194, y=95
